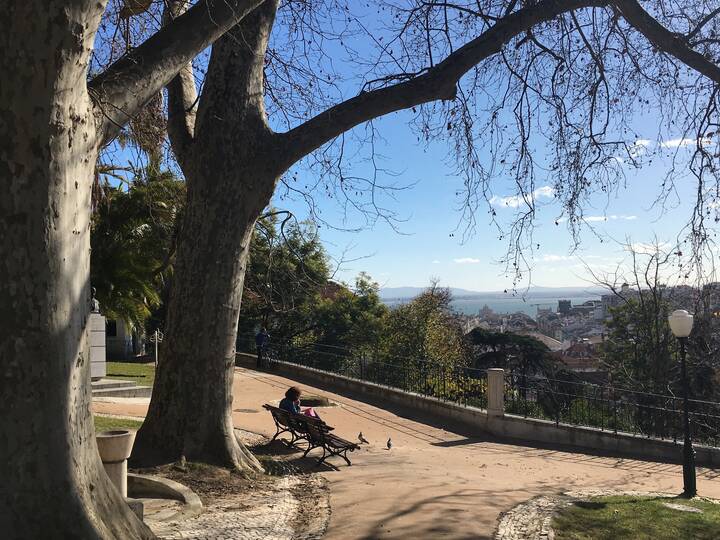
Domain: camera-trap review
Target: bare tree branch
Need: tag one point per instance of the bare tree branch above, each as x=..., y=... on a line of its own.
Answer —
x=129, y=83
x=182, y=95
x=665, y=40
x=438, y=82
x=699, y=26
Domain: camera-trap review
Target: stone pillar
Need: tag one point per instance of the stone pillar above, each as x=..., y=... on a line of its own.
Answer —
x=117, y=472
x=496, y=391
x=98, y=368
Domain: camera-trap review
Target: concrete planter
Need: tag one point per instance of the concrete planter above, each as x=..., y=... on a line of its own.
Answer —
x=114, y=448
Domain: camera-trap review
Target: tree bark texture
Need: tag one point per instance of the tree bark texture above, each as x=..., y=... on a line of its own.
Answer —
x=190, y=412
x=227, y=157
x=53, y=484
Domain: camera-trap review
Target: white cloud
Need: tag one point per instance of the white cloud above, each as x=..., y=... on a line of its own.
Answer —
x=593, y=219
x=635, y=150
x=639, y=148
x=647, y=248
x=515, y=201
x=466, y=260
x=612, y=217
x=436, y=261
x=677, y=143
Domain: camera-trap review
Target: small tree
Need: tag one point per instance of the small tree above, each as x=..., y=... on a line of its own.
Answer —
x=641, y=353
x=350, y=319
x=423, y=338
x=288, y=269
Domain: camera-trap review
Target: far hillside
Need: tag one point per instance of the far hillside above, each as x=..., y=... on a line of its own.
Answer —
x=397, y=293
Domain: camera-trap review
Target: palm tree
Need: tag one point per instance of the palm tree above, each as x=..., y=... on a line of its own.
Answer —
x=132, y=241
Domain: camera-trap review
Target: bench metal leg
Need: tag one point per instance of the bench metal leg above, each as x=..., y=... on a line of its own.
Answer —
x=279, y=432
x=330, y=453
x=323, y=458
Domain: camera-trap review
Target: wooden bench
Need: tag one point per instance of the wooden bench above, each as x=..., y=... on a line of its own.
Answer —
x=313, y=431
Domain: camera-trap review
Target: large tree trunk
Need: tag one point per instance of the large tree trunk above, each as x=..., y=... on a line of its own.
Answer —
x=227, y=156
x=190, y=413
x=53, y=484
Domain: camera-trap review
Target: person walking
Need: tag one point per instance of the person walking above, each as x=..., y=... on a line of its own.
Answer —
x=262, y=338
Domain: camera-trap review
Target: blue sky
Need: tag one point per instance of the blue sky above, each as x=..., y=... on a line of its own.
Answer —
x=430, y=244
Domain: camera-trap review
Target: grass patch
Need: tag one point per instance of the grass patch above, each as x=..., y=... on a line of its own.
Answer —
x=109, y=423
x=141, y=374
x=637, y=518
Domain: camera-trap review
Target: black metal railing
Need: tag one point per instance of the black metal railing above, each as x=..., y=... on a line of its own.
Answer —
x=448, y=382
x=605, y=407
x=460, y=384
x=610, y=409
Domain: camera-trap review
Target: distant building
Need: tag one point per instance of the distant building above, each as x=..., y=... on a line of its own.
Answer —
x=486, y=312
x=582, y=357
x=553, y=344
x=564, y=306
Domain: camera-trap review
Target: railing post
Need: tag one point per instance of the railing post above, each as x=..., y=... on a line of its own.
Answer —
x=496, y=391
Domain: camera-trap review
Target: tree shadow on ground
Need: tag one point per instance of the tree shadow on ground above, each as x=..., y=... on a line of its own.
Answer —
x=572, y=454
x=456, y=506
x=292, y=458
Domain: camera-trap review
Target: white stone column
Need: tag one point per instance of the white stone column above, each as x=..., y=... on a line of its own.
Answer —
x=98, y=368
x=117, y=472
x=114, y=448
x=496, y=391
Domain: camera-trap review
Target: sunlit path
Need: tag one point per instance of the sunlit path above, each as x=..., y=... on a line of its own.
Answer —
x=434, y=482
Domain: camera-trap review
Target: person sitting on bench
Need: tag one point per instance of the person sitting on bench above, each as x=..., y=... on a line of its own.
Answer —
x=291, y=403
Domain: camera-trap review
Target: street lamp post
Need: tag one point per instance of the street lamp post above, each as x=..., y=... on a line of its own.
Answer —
x=681, y=323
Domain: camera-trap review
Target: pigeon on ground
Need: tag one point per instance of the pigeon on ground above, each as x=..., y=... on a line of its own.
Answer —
x=362, y=439
x=389, y=444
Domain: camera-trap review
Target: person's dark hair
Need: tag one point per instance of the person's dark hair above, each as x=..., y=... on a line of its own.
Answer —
x=293, y=393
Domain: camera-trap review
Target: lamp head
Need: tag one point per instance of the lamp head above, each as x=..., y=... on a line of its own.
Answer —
x=681, y=323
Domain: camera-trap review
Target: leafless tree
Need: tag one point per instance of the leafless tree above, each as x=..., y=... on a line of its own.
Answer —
x=522, y=90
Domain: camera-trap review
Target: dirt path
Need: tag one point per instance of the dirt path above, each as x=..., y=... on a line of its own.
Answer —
x=436, y=483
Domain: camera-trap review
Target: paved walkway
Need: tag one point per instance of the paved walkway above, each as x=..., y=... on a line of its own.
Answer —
x=268, y=514
x=435, y=482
